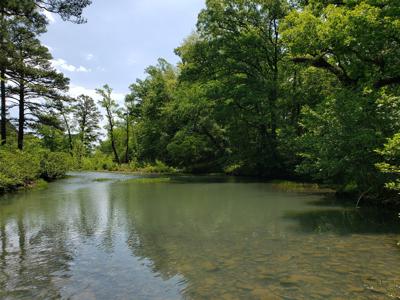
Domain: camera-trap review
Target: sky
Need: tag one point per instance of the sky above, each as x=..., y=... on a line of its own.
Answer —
x=120, y=39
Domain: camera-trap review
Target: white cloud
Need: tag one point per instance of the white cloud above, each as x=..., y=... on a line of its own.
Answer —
x=77, y=90
x=49, y=16
x=89, y=56
x=61, y=65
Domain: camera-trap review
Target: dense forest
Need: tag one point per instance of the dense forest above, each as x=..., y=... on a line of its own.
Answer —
x=306, y=89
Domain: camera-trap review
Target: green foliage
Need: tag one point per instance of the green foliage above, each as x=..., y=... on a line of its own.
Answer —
x=151, y=180
x=157, y=167
x=356, y=43
x=87, y=117
x=286, y=185
x=112, y=111
x=18, y=168
x=153, y=95
x=339, y=141
x=391, y=165
x=98, y=162
x=275, y=88
x=54, y=165
x=23, y=168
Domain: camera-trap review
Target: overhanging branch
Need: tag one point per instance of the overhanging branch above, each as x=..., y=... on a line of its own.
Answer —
x=320, y=62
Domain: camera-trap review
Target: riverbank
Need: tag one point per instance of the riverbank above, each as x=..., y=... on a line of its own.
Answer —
x=30, y=169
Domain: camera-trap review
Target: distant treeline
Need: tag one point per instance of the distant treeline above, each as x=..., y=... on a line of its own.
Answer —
x=272, y=88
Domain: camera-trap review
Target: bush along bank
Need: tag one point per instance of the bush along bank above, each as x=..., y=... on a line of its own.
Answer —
x=19, y=169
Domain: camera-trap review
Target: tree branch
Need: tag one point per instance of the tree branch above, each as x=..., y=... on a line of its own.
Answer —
x=320, y=62
x=387, y=81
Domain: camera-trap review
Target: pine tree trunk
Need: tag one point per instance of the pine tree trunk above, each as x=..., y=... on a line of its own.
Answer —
x=21, y=121
x=3, y=124
x=3, y=121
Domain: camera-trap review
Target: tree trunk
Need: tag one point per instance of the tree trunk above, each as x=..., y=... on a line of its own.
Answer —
x=111, y=123
x=113, y=145
x=3, y=121
x=21, y=121
x=68, y=131
x=3, y=124
x=127, y=140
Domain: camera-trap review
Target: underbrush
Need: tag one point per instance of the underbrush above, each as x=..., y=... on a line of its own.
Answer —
x=102, y=162
x=287, y=185
x=24, y=168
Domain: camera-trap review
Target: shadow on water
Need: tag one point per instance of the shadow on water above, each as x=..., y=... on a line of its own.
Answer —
x=209, y=179
x=339, y=216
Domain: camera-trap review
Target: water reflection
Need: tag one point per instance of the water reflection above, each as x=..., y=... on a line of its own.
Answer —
x=85, y=238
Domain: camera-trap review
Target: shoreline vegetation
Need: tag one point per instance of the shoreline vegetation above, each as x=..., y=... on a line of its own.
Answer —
x=35, y=167
x=301, y=90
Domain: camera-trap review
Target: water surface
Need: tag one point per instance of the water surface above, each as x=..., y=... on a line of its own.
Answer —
x=111, y=236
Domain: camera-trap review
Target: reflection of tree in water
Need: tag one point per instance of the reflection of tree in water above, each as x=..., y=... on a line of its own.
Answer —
x=346, y=221
x=87, y=221
x=34, y=254
x=203, y=236
x=224, y=240
x=38, y=237
x=226, y=247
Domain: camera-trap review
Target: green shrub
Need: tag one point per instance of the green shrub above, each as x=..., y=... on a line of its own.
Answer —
x=23, y=168
x=98, y=162
x=5, y=182
x=54, y=165
x=18, y=168
x=158, y=167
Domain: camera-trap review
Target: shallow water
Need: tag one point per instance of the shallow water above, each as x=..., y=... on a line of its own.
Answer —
x=105, y=236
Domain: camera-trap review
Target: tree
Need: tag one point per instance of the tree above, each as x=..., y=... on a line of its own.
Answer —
x=111, y=107
x=239, y=51
x=32, y=76
x=29, y=12
x=356, y=43
x=87, y=117
x=70, y=10
x=127, y=114
x=64, y=109
x=151, y=96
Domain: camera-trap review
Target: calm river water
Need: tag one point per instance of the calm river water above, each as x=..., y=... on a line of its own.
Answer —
x=110, y=236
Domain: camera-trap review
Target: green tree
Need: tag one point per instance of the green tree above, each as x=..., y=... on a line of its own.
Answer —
x=87, y=117
x=64, y=109
x=239, y=55
x=151, y=96
x=356, y=43
x=33, y=77
x=30, y=12
x=112, y=108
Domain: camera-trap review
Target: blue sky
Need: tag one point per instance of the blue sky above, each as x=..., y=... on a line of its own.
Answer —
x=120, y=39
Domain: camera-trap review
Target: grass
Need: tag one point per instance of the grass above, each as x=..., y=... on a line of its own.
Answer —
x=40, y=184
x=150, y=180
x=287, y=185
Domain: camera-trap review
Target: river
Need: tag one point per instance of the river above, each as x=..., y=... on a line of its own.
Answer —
x=114, y=236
